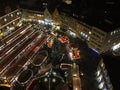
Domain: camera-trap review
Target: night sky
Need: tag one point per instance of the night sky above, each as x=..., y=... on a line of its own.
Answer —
x=103, y=14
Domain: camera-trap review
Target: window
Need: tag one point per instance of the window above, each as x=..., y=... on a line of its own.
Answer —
x=13, y=22
x=88, y=38
x=111, y=33
x=11, y=15
x=102, y=64
x=54, y=80
x=5, y=19
x=98, y=72
x=104, y=70
x=114, y=32
x=105, y=88
x=45, y=80
x=101, y=85
x=106, y=77
x=108, y=84
x=108, y=41
x=18, y=13
x=90, y=33
x=7, y=27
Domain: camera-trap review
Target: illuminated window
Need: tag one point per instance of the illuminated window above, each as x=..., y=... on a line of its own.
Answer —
x=0, y=38
x=105, y=88
x=44, y=3
x=99, y=78
x=102, y=64
x=47, y=21
x=114, y=32
x=101, y=85
x=90, y=33
x=5, y=33
x=13, y=22
x=111, y=33
x=68, y=1
x=73, y=14
x=88, y=38
x=18, y=13
x=53, y=80
x=82, y=74
x=66, y=74
x=95, y=50
x=57, y=27
x=46, y=73
x=105, y=70
x=116, y=46
x=98, y=72
x=54, y=73
x=11, y=28
x=106, y=77
x=5, y=19
x=109, y=41
x=108, y=84
x=11, y=15
x=81, y=33
x=45, y=79
x=7, y=27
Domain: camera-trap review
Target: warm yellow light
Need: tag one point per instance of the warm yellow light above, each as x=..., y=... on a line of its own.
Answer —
x=5, y=81
x=74, y=75
x=5, y=85
x=68, y=1
x=90, y=33
x=1, y=34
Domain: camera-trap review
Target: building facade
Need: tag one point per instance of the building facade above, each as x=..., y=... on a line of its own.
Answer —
x=8, y=22
x=113, y=42
x=95, y=37
x=102, y=77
